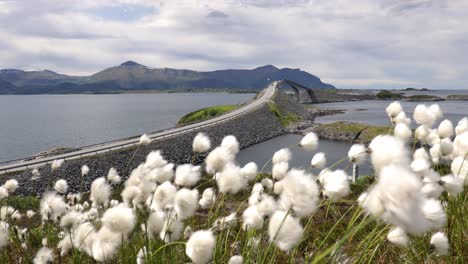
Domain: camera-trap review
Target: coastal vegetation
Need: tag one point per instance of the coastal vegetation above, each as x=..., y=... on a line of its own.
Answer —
x=349, y=131
x=285, y=118
x=388, y=95
x=205, y=113
x=412, y=210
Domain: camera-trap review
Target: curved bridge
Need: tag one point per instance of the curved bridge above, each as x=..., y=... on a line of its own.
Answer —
x=302, y=93
x=28, y=163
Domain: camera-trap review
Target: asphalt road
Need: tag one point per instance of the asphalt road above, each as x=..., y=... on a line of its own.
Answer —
x=87, y=151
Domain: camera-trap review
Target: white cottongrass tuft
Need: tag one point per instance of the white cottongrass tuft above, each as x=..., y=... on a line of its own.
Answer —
x=267, y=183
x=45, y=255
x=61, y=186
x=282, y=155
x=309, y=142
x=113, y=176
x=336, y=184
x=105, y=244
x=445, y=129
x=284, y=230
x=155, y=224
x=461, y=144
x=11, y=185
x=30, y=214
x=434, y=212
x=453, y=185
x=186, y=203
x=187, y=175
x=434, y=151
x=231, y=144
x=386, y=150
x=4, y=234
x=357, y=154
x=423, y=116
x=252, y=218
x=249, y=171
x=230, y=179
x=200, y=246
x=144, y=140
x=459, y=168
x=398, y=237
x=52, y=206
x=420, y=166
x=436, y=111
x=154, y=160
x=402, y=131
x=279, y=170
x=217, y=159
x=100, y=192
x=84, y=170
x=440, y=243
x=236, y=260
x=420, y=153
x=462, y=126
x=119, y=219
x=208, y=198
x=401, y=118
x=319, y=161
x=393, y=110
x=422, y=132
x=164, y=196
x=201, y=143
x=3, y=192
x=56, y=164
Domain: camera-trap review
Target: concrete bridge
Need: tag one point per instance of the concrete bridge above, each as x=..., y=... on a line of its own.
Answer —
x=301, y=93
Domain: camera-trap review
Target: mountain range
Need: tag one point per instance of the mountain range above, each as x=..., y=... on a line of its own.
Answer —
x=131, y=76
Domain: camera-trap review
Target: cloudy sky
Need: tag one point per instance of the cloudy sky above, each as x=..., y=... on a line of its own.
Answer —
x=351, y=44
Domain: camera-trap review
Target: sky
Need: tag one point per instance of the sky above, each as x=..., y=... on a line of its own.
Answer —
x=350, y=44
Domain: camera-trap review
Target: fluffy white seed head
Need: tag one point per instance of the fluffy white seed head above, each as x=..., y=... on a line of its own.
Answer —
x=43, y=256
x=401, y=118
x=434, y=151
x=155, y=223
x=144, y=140
x=446, y=147
x=402, y=131
x=357, y=154
x=386, y=150
x=267, y=183
x=186, y=203
x=462, y=126
x=284, y=230
x=393, y=109
x=61, y=186
x=398, y=237
x=154, y=160
x=105, y=244
x=422, y=132
x=423, y=116
x=300, y=193
x=201, y=143
x=52, y=206
x=100, y=192
x=279, y=170
x=309, y=142
x=434, y=212
x=217, y=159
x=208, y=198
x=440, y=243
x=336, y=184
x=445, y=129
x=421, y=154
x=56, y=164
x=461, y=144
x=282, y=155
x=252, y=218
x=11, y=185
x=459, y=168
x=231, y=144
x=453, y=185
x=319, y=161
x=200, y=246
x=230, y=179
x=236, y=260
x=119, y=219
x=84, y=170
x=113, y=176
x=187, y=175
x=436, y=111
x=164, y=196
x=420, y=166
x=249, y=171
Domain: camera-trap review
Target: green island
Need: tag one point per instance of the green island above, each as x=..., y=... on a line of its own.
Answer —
x=205, y=113
x=348, y=130
x=388, y=95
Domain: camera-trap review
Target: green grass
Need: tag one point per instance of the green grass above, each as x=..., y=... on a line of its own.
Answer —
x=22, y=203
x=367, y=134
x=388, y=95
x=285, y=118
x=205, y=113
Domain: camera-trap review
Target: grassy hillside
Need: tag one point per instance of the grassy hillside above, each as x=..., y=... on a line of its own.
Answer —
x=205, y=113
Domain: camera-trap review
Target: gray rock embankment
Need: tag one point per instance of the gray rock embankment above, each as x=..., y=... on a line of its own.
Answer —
x=250, y=129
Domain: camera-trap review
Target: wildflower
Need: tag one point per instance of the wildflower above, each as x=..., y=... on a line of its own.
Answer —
x=436, y=111
x=383, y=155
x=61, y=186
x=453, y=185
x=84, y=170
x=397, y=236
x=230, y=180
x=279, y=170
x=336, y=184
x=319, y=160
x=186, y=203
x=155, y=223
x=445, y=129
x=393, y=109
x=423, y=116
x=105, y=244
x=84, y=236
x=420, y=166
x=300, y=193
x=249, y=171
x=253, y=219
x=309, y=142
x=402, y=131
x=187, y=175
x=201, y=143
x=164, y=195
x=236, y=260
x=440, y=243
x=144, y=140
x=433, y=137
x=154, y=159
x=231, y=144
x=11, y=185
x=462, y=126
x=43, y=256
x=100, y=192
x=434, y=151
x=113, y=176
x=420, y=153
x=284, y=230
x=217, y=159
x=132, y=195
x=267, y=205
x=401, y=118
x=208, y=198
x=165, y=173
x=71, y=220
x=119, y=219
x=434, y=212
x=357, y=154
x=282, y=155
x=200, y=246
x=422, y=132
x=52, y=206
x=56, y=164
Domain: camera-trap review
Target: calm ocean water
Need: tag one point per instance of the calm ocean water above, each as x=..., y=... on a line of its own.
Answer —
x=35, y=123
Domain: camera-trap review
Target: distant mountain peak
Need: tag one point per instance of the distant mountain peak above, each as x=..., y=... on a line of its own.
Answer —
x=268, y=67
x=131, y=63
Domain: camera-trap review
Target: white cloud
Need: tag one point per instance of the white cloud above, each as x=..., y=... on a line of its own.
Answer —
x=352, y=44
